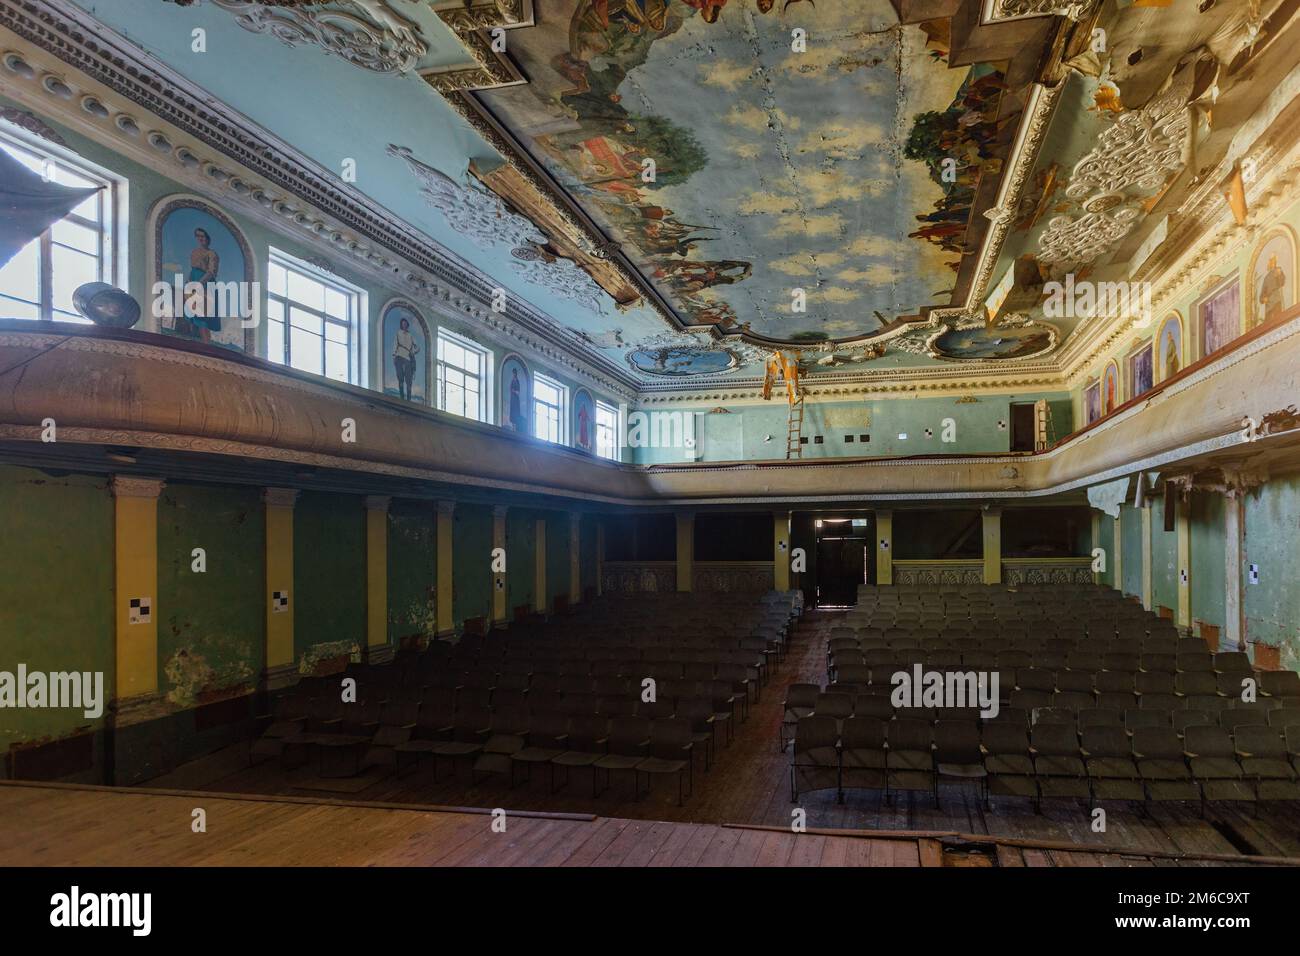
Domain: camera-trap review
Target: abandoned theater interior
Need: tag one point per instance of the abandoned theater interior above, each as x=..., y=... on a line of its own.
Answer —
x=677, y=433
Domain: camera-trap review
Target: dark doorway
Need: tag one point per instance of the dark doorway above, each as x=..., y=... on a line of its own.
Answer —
x=841, y=561
x=1022, y=426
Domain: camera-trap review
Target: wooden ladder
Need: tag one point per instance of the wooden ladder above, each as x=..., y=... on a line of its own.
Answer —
x=794, y=428
x=1043, y=429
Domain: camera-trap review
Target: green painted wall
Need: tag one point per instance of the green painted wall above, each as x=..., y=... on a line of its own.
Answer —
x=329, y=571
x=557, y=556
x=412, y=568
x=57, y=565
x=211, y=625
x=521, y=543
x=743, y=434
x=1131, y=539
x=1272, y=607
x=1164, y=559
x=1207, y=558
x=587, y=554
x=1106, y=541
x=471, y=553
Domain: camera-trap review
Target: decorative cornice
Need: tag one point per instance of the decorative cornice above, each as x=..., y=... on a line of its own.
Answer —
x=1037, y=119
x=470, y=22
x=127, y=486
x=225, y=155
x=280, y=497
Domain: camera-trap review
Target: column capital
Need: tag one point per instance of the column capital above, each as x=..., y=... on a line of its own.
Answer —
x=446, y=507
x=575, y=519
x=498, y=511
x=131, y=486
x=378, y=502
x=280, y=497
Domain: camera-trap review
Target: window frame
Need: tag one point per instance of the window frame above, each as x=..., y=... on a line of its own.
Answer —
x=561, y=408
x=610, y=410
x=484, y=375
x=112, y=228
x=358, y=307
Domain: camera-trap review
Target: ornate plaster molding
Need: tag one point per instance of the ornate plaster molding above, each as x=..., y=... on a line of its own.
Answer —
x=367, y=33
x=483, y=218
x=1035, y=122
x=1133, y=158
x=998, y=11
x=472, y=23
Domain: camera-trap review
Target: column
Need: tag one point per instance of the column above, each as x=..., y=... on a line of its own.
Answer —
x=541, y=603
x=498, y=560
x=443, y=610
x=1146, y=557
x=135, y=584
x=1234, y=634
x=279, y=504
x=376, y=571
x=1183, y=531
x=1117, y=553
x=575, y=560
x=992, y=528
x=781, y=550
x=884, y=547
x=685, y=550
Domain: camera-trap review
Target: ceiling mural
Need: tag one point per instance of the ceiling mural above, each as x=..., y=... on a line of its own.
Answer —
x=685, y=186
x=775, y=171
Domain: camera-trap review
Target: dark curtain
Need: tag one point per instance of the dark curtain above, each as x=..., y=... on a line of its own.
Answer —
x=29, y=205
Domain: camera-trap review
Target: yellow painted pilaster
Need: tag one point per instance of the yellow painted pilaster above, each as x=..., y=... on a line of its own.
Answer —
x=781, y=550
x=541, y=602
x=685, y=550
x=1146, y=558
x=135, y=583
x=443, y=598
x=376, y=570
x=499, y=513
x=884, y=547
x=575, y=560
x=280, y=596
x=1183, y=529
x=992, y=527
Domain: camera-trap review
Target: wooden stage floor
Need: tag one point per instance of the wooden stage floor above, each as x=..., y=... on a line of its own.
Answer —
x=71, y=825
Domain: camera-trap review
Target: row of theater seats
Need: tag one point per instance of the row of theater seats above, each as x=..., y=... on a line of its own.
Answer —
x=803, y=700
x=1249, y=762
x=572, y=693
x=1097, y=698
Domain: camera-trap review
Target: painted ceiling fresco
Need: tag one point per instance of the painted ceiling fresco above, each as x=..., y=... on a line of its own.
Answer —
x=775, y=170
x=863, y=168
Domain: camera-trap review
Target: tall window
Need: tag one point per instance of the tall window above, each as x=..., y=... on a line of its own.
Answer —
x=606, y=431
x=463, y=376
x=311, y=319
x=548, y=409
x=38, y=282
